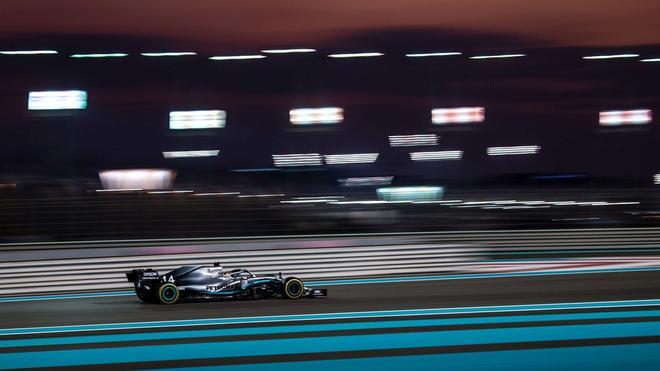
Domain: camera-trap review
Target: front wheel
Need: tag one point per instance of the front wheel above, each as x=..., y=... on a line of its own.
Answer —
x=168, y=293
x=293, y=288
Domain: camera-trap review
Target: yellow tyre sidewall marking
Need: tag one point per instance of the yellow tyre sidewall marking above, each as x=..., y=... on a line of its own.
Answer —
x=160, y=294
x=286, y=288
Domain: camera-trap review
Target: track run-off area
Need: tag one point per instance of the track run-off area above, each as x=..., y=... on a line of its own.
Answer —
x=514, y=304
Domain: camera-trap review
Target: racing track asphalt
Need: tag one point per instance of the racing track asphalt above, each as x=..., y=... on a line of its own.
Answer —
x=363, y=297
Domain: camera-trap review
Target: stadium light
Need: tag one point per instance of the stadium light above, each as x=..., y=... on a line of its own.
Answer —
x=356, y=55
x=351, y=158
x=366, y=181
x=461, y=115
x=167, y=54
x=99, y=55
x=213, y=119
x=189, y=154
x=413, y=140
x=432, y=54
x=288, y=51
x=498, y=56
x=236, y=57
x=629, y=117
x=416, y=193
x=57, y=100
x=513, y=150
x=143, y=179
x=436, y=155
x=324, y=115
x=656, y=179
x=298, y=159
x=27, y=52
x=611, y=56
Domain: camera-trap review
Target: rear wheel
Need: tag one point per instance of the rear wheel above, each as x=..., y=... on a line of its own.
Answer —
x=168, y=293
x=293, y=288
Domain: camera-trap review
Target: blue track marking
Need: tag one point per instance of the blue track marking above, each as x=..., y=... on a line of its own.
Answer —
x=392, y=324
x=359, y=281
x=447, y=277
x=152, y=353
x=333, y=316
x=638, y=357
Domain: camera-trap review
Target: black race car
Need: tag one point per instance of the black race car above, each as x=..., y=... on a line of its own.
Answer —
x=194, y=282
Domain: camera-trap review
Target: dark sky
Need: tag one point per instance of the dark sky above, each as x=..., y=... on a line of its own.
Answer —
x=550, y=98
x=212, y=24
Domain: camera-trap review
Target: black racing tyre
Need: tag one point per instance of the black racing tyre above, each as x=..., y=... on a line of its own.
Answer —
x=168, y=293
x=293, y=288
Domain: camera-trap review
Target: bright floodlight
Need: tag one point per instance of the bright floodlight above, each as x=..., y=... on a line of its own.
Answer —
x=167, y=54
x=214, y=119
x=497, y=56
x=413, y=140
x=461, y=115
x=27, y=52
x=422, y=193
x=611, y=56
x=298, y=159
x=356, y=55
x=436, y=155
x=629, y=117
x=137, y=179
x=236, y=57
x=99, y=55
x=432, y=54
x=366, y=181
x=308, y=116
x=188, y=154
x=288, y=51
x=351, y=158
x=57, y=100
x=513, y=150
x=656, y=179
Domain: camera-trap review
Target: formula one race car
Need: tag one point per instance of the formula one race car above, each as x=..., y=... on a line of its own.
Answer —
x=212, y=282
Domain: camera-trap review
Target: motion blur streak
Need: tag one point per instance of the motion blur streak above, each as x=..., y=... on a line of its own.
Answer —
x=351, y=158
x=57, y=100
x=433, y=54
x=616, y=118
x=137, y=179
x=356, y=55
x=99, y=55
x=288, y=51
x=413, y=140
x=27, y=52
x=187, y=154
x=323, y=115
x=236, y=57
x=366, y=181
x=205, y=119
x=441, y=116
x=436, y=155
x=167, y=54
x=298, y=159
x=650, y=60
x=498, y=56
x=611, y=56
x=513, y=150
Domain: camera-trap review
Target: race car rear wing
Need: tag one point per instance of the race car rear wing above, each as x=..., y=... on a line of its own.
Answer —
x=137, y=275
